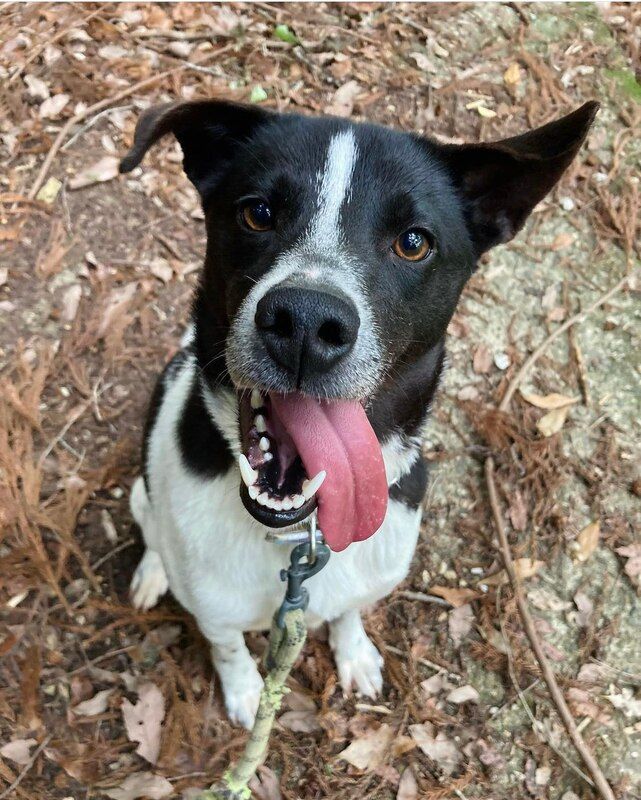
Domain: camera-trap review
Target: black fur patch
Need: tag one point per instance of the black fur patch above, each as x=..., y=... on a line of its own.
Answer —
x=410, y=488
x=203, y=448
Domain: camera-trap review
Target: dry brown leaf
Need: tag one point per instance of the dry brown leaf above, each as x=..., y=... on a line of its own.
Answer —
x=549, y=401
x=141, y=784
x=482, y=361
x=143, y=721
x=53, y=106
x=104, y=170
x=117, y=305
x=439, y=748
x=518, y=511
x=454, y=596
x=95, y=705
x=266, y=785
x=512, y=75
x=342, y=103
x=407, y=786
x=300, y=721
x=587, y=540
x=368, y=752
x=553, y=421
x=633, y=564
x=70, y=302
x=524, y=567
x=18, y=750
x=459, y=623
x=561, y=241
x=463, y=694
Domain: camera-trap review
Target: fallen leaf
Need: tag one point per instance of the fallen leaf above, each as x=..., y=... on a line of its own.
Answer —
x=266, y=785
x=118, y=303
x=454, y=596
x=18, y=750
x=141, y=784
x=585, y=607
x=407, y=786
x=143, y=721
x=459, y=623
x=482, y=361
x=561, y=241
x=553, y=421
x=435, y=685
x=423, y=62
x=95, y=705
x=104, y=170
x=482, y=111
x=368, y=752
x=36, y=87
x=549, y=401
x=633, y=564
x=52, y=106
x=49, y=191
x=439, y=748
x=525, y=568
x=258, y=95
x=112, y=51
x=300, y=721
x=518, y=511
x=342, y=103
x=587, y=540
x=512, y=75
x=463, y=694
x=70, y=302
x=161, y=268
x=285, y=34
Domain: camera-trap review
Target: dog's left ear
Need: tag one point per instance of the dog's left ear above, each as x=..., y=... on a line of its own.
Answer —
x=208, y=132
x=502, y=181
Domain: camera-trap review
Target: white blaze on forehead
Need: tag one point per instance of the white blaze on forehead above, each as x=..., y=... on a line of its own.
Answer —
x=334, y=185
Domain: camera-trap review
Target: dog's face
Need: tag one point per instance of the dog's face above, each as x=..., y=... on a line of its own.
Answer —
x=336, y=256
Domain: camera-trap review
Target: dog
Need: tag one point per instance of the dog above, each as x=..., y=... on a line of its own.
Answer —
x=336, y=254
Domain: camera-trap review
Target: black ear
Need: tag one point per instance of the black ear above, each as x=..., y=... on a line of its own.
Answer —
x=208, y=132
x=502, y=181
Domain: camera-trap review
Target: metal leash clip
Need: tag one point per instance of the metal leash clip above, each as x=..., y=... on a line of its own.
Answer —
x=306, y=559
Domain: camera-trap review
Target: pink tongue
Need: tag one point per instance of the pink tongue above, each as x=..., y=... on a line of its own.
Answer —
x=335, y=435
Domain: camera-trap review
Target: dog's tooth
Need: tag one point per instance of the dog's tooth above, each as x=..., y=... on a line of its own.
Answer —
x=298, y=500
x=249, y=475
x=277, y=505
x=311, y=487
x=268, y=456
x=263, y=499
x=259, y=422
x=256, y=399
x=288, y=503
x=254, y=491
x=264, y=444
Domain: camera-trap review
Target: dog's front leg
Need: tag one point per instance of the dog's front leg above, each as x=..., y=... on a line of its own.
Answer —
x=238, y=674
x=358, y=662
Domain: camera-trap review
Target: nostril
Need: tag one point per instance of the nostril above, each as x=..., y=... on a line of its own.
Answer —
x=283, y=324
x=331, y=332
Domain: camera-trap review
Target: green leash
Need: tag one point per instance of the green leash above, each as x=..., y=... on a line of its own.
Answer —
x=286, y=640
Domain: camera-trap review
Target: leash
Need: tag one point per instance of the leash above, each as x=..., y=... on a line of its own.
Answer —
x=286, y=639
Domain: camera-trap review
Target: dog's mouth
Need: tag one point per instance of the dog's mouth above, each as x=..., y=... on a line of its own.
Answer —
x=299, y=453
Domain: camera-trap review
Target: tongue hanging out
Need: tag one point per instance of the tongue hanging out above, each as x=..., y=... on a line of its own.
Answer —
x=311, y=437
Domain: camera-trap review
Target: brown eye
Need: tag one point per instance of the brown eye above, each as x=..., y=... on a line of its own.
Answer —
x=413, y=245
x=257, y=215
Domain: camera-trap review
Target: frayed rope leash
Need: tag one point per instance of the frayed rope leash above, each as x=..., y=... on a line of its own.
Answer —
x=286, y=640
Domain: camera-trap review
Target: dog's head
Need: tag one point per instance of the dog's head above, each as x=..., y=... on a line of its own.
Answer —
x=336, y=255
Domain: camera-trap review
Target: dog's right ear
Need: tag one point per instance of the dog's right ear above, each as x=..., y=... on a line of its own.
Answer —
x=208, y=132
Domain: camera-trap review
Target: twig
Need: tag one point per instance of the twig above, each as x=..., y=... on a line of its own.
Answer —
x=580, y=366
x=516, y=380
x=108, y=101
x=112, y=553
x=92, y=122
x=601, y=784
x=424, y=598
x=27, y=767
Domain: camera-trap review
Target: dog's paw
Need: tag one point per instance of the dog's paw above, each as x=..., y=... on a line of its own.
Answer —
x=149, y=583
x=242, y=696
x=360, y=668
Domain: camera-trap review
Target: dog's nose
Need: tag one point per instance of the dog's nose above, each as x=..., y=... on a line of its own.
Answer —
x=305, y=331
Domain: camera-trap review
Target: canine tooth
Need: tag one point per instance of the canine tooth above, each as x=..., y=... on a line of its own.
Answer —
x=264, y=444
x=268, y=456
x=311, y=487
x=288, y=503
x=256, y=400
x=259, y=422
x=263, y=499
x=298, y=500
x=254, y=491
x=249, y=475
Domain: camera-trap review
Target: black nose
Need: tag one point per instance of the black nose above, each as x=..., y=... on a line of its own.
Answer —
x=306, y=331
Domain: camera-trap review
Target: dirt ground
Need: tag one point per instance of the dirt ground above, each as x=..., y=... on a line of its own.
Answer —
x=96, y=273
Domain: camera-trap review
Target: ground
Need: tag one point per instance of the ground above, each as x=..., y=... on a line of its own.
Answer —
x=95, y=281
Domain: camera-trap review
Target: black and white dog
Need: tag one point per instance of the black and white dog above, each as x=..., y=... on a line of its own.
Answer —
x=336, y=254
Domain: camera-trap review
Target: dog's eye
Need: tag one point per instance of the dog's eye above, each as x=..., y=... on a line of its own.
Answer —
x=256, y=215
x=413, y=245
